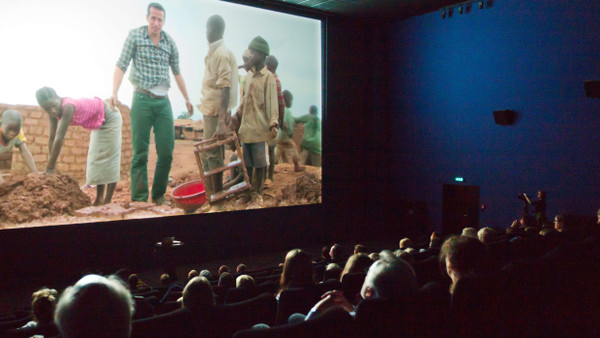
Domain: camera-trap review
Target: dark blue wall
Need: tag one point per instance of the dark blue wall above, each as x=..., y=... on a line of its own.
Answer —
x=450, y=74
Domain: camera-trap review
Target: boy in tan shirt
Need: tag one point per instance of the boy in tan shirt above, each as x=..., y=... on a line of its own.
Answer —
x=259, y=115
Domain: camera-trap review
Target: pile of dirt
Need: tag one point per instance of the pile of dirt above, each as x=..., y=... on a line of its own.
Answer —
x=31, y=197
x=179, y=179
x=307, y=190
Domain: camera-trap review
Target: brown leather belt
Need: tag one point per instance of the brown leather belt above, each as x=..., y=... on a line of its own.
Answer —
x=149, y=93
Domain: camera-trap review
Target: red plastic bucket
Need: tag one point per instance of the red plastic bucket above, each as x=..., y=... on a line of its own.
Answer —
x=189, y=196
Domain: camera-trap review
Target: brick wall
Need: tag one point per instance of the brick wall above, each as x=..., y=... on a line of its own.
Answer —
x=73, y=156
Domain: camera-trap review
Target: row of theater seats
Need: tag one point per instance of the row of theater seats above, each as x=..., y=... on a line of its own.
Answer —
x=531, y=287
x=424, y=314
x=537, y=293
x=295, y=300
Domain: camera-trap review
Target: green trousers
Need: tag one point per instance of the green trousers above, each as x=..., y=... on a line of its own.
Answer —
x=147, y=113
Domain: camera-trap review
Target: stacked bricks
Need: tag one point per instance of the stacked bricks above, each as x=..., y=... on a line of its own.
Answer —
x=73, y=156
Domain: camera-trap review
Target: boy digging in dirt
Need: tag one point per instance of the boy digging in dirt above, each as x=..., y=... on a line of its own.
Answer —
x=11, y=136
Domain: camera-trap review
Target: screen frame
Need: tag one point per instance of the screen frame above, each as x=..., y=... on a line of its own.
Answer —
x=107, y=245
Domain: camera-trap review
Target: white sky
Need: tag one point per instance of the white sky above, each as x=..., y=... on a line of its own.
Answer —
x=73, y=46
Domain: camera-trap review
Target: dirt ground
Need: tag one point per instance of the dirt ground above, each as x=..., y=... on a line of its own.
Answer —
x=31, y=197
x=48, y=207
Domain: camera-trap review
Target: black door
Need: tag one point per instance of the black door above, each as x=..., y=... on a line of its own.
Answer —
x=460, y=208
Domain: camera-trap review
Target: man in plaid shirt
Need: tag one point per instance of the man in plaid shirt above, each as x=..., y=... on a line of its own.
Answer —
x=153, y=52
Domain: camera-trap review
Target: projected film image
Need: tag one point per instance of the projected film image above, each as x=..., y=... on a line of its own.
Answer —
x=119, y=110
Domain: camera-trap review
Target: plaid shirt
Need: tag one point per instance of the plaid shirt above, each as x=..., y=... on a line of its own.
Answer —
x=150, y=63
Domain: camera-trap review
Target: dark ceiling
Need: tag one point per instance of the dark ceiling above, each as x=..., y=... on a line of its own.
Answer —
x=377, y=8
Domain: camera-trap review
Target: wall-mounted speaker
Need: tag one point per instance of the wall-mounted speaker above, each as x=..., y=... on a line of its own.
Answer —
x=505, y=117
x=592, y=88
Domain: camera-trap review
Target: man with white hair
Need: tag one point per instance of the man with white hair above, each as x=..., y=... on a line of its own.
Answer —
x=388, y=278
x=95, y=306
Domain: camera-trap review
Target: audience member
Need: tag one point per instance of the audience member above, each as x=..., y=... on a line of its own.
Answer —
x=406, y=256
x=241, y=268
x=486, y=235
x=357, y=263
x=325, y=253
x=539, y=208
x=198, y=295
x=374, y=256
x=332, y=271
x=133, y=281
x=42, y=312
x=192, y=274
x=297, y=270
x=462, y=256
x=165, y=279
x=560, y=223
x=337, y=255
x=405, y=243
x=469, y=232
x=95, y=306
x=226, y=280
x=567, y=227
x=206, y=274
x=223, y=268
x=388, y=278
x=245, y=281
x=358, y=248
x=594, y=230
x=435, y=241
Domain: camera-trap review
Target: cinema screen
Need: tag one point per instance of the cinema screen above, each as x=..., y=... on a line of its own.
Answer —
x=73, y=48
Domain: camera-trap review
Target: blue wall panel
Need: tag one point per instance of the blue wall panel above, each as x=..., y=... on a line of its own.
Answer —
x=450, y=74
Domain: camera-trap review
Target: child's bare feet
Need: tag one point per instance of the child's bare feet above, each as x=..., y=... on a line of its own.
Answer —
x=299, y=167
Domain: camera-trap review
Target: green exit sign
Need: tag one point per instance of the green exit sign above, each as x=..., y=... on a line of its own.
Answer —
x=458, y=179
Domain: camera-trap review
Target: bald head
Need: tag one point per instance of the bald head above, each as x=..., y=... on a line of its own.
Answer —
x=271, y=63
x=85, y=308
x=215, y=28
